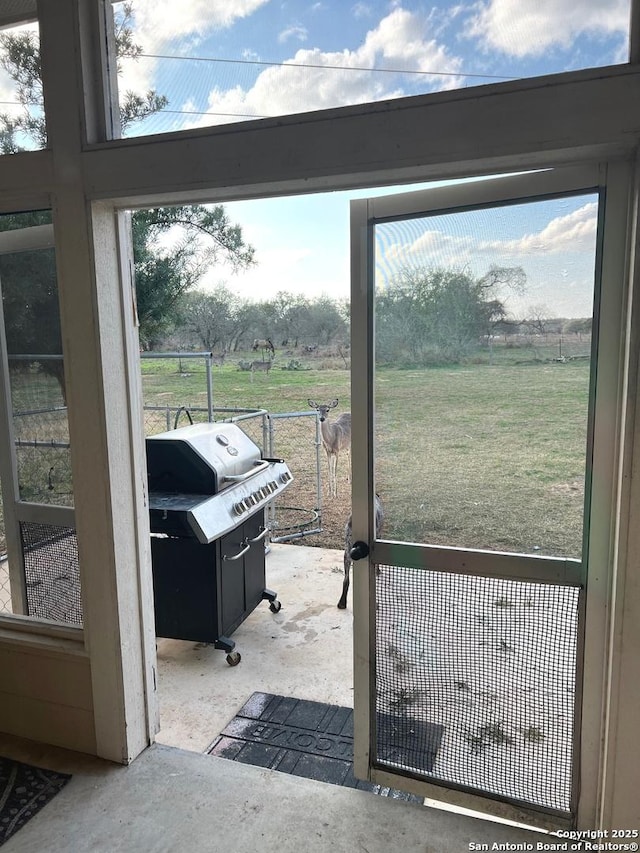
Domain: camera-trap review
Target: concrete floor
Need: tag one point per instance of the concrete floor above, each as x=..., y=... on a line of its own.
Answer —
x=303, y=651
x=174, y=799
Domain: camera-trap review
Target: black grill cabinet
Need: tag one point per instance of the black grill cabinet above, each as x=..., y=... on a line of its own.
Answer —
x=208, y=547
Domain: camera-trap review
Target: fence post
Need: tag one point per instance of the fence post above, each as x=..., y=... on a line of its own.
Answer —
x=267, y=435
x=208, y=365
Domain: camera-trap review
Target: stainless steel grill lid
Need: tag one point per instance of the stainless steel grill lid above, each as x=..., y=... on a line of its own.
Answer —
x=198, y=459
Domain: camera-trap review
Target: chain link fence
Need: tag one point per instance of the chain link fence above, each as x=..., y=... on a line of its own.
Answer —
x=295, y=437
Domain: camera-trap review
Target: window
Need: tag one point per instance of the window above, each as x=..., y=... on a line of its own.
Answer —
x=212, y=64
x=22, y=120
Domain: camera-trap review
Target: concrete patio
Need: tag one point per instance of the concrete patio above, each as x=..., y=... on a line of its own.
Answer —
x=303, y=651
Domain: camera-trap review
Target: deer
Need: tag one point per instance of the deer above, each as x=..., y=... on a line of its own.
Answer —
x=348, y=542
x=264, y=344
x=260, y=366
x=336, y=436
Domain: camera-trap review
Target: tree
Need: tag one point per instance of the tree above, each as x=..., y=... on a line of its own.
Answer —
x=579, y=326
x=30, y=300
x=20, y=58
x=325, y=321
x=215, y=319
x=439, y=314
x=537, y=320
x=206, y=235
x=284, y=318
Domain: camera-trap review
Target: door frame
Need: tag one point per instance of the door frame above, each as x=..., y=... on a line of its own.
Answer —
x=615, y=181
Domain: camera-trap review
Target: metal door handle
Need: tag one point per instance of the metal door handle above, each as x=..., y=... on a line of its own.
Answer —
x=359, y=551
x=260, y=536
x=238, y=555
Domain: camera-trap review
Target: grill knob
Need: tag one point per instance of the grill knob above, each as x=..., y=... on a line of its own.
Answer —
x=238, y=508
x=285, y=477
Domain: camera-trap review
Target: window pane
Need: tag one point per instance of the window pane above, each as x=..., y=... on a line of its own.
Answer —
x=232, y=61
x=22, y=123
x=43, y=562
x=34, y=351
x=483, y=341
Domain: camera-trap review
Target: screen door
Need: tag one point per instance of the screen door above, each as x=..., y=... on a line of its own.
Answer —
x=491, y=360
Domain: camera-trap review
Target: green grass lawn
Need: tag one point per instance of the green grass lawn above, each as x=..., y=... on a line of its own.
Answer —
x=485, y=456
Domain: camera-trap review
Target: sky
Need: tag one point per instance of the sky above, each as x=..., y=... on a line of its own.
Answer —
x=221, y=61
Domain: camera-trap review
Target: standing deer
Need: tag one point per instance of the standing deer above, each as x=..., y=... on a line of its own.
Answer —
x=264, y=344
x=348, y=542
x=336, y=436
x=261, y=366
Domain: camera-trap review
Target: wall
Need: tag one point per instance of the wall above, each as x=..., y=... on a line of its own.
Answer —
x=45, y=687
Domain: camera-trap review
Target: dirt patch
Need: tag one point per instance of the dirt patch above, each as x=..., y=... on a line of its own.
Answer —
x=333, y=516
x=574, y=489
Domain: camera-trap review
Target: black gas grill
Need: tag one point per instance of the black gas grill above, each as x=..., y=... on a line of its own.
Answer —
x=208, y=490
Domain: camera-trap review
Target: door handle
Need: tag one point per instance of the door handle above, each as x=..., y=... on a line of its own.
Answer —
x=239, y=554
x=359, y=551
x=261, y=535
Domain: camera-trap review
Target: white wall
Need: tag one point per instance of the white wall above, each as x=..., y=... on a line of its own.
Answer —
x=45, y=686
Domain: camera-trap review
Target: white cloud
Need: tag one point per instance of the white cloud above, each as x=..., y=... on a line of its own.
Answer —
x=431, y=248
x=400, y=41
x=574, y=232
x=557, y=259
x=523, y=28
x=294, y=32
x=361, y=10
x=158, y=22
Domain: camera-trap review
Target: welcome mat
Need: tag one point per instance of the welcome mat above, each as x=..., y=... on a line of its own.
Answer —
x=24, y=790
x=303, y=738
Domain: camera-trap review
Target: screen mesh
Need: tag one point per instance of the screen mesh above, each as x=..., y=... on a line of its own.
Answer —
x=475, y=682
x=52, y=575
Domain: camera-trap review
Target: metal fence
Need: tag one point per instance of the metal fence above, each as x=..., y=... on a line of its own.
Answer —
x=177, y=388
x=295, y=436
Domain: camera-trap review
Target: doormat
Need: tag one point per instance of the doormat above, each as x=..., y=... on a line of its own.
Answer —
x=304, y=738
x=24, y=790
